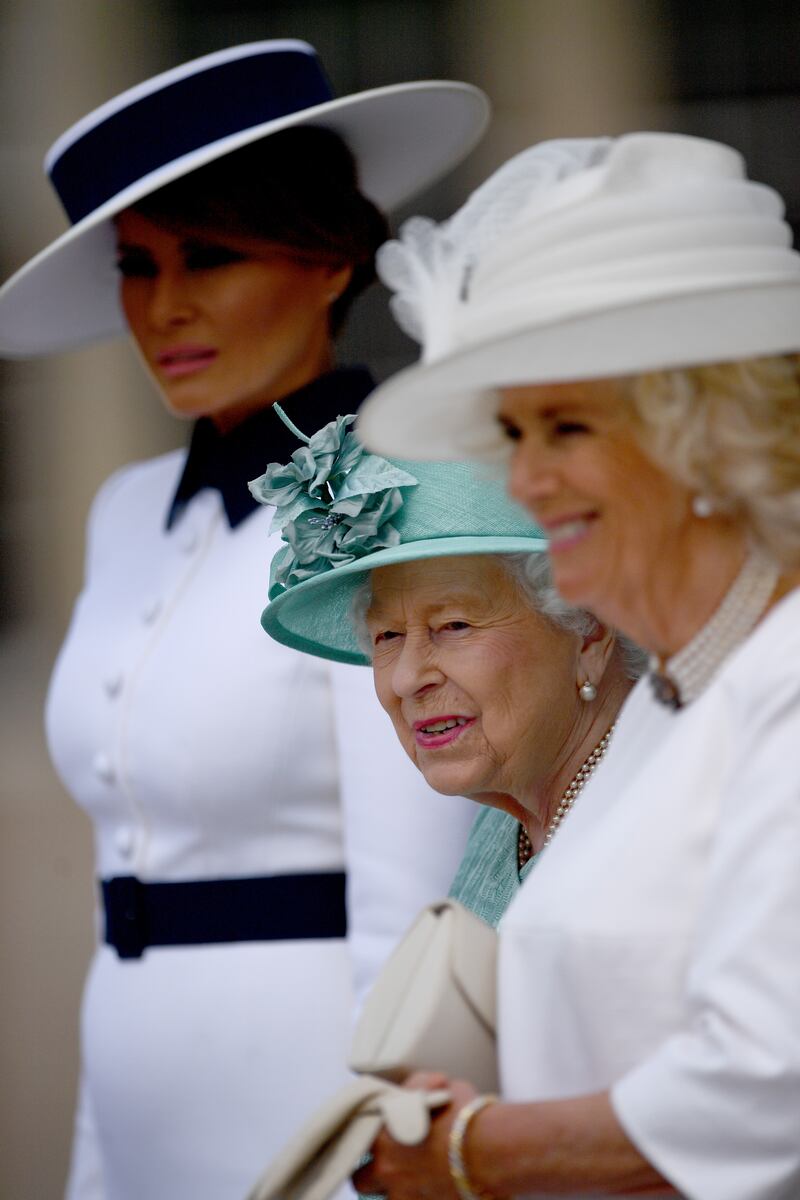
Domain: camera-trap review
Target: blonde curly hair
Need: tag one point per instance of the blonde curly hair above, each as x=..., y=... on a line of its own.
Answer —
x=731, y=432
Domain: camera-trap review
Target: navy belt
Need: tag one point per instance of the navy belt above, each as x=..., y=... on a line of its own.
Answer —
x=203, y=911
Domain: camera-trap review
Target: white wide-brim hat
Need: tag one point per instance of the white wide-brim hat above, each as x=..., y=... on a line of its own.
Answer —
x=403, y=137
x=581, y=259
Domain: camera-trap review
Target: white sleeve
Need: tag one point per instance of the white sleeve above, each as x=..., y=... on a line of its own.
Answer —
x=85, y=1180
x=717, y=1107
x=85, y=1177
x=402, y=841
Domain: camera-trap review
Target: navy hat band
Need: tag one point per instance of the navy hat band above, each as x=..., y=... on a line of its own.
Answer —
x=189, y=114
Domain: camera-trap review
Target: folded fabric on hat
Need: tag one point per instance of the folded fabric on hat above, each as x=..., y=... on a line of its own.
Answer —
x=579, y=259
x=342, y=513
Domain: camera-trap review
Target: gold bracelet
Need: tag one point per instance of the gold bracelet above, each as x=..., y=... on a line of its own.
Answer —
x=455, y=1148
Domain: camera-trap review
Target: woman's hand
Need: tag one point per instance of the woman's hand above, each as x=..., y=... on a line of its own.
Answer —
x=561, y=1147
x=417, y=1172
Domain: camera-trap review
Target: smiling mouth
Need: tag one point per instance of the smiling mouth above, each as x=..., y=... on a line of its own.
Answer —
x=568, y=533
x=442, y=725
x=440, y=731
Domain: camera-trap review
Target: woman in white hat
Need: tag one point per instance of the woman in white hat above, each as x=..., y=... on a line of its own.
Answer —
x=236, y=787
x=630, y=328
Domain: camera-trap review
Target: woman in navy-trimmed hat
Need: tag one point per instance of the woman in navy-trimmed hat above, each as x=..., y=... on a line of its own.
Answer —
x=261, y=840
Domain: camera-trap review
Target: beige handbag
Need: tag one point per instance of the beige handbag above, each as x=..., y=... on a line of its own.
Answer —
x=332, y=1143
x=433, y=1005
x=431, y=1008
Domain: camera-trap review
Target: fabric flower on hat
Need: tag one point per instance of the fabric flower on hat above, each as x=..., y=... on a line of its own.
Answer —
x=334, y=502
x=429, y=267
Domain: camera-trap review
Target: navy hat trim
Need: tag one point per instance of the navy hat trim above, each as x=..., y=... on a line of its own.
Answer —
x=191, y=113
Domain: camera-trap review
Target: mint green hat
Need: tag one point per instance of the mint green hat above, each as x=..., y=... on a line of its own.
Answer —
x=343, y=512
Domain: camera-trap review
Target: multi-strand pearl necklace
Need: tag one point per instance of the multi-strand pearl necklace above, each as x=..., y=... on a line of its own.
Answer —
x=524, y=847
x=680, y=679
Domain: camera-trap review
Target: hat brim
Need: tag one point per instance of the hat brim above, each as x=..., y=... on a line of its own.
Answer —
x=315, y=616
x=446, y=409
x=403, y=138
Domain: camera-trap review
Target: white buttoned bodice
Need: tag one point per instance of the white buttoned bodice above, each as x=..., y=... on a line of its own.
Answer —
x=202, y=749
x=199, y=747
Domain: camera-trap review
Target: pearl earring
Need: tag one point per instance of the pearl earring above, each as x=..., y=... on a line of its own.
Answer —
x=587, y=692
x=702, y=506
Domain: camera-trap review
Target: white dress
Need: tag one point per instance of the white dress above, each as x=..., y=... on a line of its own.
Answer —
x=655, y=949
x=201, y=749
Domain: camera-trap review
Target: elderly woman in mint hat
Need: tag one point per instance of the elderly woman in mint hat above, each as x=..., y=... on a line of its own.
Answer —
x=497, y=689
x=255, y=856
x=619, y=319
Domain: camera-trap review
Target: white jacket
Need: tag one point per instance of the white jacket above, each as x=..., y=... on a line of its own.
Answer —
x=655, y=949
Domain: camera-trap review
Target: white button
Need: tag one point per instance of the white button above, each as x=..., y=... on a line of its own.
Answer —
x=125, y=841
x=103, y=767
x=112, y=685
x=151, y=610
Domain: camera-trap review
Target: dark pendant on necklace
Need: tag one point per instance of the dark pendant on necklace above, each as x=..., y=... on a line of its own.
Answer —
x=665, y=690
x=524, y=847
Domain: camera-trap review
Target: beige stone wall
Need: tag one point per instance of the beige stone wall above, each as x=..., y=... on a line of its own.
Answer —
x=66, y=423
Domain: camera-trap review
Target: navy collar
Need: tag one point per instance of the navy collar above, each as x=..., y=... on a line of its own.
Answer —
x=226, y=462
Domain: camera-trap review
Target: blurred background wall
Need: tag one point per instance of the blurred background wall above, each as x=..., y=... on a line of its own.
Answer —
x=727, y=69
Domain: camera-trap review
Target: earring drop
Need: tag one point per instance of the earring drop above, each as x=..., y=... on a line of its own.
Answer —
x=702, y=506
x=587, y=692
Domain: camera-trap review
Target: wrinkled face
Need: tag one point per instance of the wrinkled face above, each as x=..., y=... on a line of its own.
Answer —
x=482, y=690
x=619, y=526
x=226, y=325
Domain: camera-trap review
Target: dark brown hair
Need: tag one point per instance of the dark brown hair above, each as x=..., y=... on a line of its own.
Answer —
x=297, y=188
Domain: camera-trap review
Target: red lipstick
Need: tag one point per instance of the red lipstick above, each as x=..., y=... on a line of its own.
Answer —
x=440, y=730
